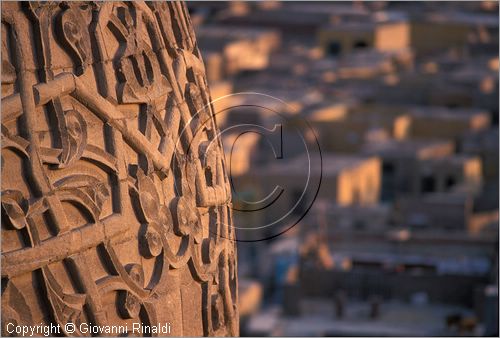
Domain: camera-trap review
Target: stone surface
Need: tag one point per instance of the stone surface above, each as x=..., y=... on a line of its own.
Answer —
x=115, y=203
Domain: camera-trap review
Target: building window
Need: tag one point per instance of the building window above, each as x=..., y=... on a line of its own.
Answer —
x=334, y=48
x=428, y=184
x=450, y=182
x=388, y=181
x=360, y=44
x=387, y=168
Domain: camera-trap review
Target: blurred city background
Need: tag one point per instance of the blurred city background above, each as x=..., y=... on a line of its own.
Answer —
x=402, y=239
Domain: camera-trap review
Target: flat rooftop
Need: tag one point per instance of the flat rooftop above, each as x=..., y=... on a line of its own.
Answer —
x=406, y=147
x=395, y=319
x=333, y=164
x=446, y=113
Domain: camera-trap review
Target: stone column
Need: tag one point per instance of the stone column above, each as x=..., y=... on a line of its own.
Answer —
x=115, y=200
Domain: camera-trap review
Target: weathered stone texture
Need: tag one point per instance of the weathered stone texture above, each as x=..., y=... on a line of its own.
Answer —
x=115, y=203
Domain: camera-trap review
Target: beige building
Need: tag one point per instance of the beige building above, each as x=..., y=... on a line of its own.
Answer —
x=392, y=36
x=383, y=34
x=346, y=180
x=341, y=39
x=445, y=211
x=445, y=34
x=346, y=37
x=230, y=51
x=240, y=150
x=451, y=173
x=400, y=162
x=485, y=145
x=442, y=122
x=331, y=218
x=361, y=124
x=393, y=118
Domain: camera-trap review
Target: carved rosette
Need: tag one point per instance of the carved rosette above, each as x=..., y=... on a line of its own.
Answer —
x=115, y=201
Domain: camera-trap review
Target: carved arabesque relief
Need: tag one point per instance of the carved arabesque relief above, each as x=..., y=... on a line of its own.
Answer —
x=115, y=201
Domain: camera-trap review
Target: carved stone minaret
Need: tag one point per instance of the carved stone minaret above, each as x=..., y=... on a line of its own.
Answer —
x=115, y=200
